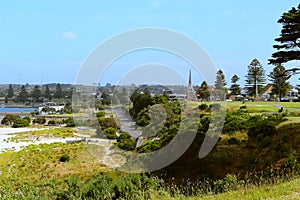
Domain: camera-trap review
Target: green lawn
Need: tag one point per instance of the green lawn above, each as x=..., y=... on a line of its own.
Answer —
x=265, y=106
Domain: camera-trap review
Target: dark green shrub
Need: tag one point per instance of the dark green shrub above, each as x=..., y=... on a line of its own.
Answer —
x=110, y=133
x=100, y=114
x=39, y=120
x=9, y=119
x=126, y=142
x=204, y=107
x=233, y=141
x=64, y=158
x=69, y=122
x=20, y=122
x=230, y=182
x=53, y=122
x=243, y=107
x=108, y=122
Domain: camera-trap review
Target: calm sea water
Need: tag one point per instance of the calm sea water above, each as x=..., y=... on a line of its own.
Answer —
x=16, y=110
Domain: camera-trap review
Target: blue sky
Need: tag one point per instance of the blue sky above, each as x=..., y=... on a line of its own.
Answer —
x=48, y=41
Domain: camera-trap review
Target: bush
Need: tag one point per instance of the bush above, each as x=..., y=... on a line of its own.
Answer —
x=64, y=158
x=107, y=123
x=110, y=133
x=39, y=121
x=9, y=119
x=230, y=182
x=53, y=122
x=204, y=107
x=243, y=107
x=126, y=142
x=28, y=119
x=100, y=114
x=233, y=141
x=69, y=122
x=19, y=122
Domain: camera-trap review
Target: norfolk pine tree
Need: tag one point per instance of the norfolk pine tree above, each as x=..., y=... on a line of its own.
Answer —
x=235, y=87
x=279, y=79
x=255, y=78
x=289, y=40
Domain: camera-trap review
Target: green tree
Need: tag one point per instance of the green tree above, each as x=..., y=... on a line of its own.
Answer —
x=10, y=92
x=279, y=79
x=289, y=40
x=235, y=87
x=105, y=98
x=23, y=95
x=58, y=92
x=255, y=78
x=220, y=80
x=47, y=93
x=203, y=91
x=36, y=94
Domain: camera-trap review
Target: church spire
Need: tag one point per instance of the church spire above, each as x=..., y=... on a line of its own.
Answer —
x=190, y=78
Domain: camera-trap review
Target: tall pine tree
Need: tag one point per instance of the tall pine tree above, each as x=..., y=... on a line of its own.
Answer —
x=10, y=92
x=220, y=80
x=279, y=79
x=289, y=40
x=255, y=78
x=23, y=95
x=235, y=87
x=58, y=92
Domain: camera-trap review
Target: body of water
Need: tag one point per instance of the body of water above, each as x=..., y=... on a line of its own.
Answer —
x=16, y=110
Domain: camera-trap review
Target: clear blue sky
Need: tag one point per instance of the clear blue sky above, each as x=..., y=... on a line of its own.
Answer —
x=46, y=41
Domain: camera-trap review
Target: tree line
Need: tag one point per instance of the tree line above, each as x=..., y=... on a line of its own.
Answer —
x=36, y=95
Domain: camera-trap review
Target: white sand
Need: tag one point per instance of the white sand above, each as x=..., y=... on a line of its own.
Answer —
x=6, y=133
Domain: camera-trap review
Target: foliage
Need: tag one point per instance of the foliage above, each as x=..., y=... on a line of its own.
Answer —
x=279, y=79
x=255, y=78
x=235, y=121
x=20, y=122
x=228, y=183
x=10, y=92
x=220, y=82
x=107, y=122
x=289, y=46
x=110, y=133
x=23, y=95
x=100, y=114
x=58, y=91
x=54, y=122
x=235, y=87
x=47, y=93
x=69, y=122
x=126, y=142
x=40, y=120
x=64, y=158
x=204, y=107
x=203, y=91
x=105, y=98
x=36, y=94
x=9, y=119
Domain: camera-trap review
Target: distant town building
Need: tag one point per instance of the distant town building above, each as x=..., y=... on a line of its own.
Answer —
x=50, y=107
x=191, y=96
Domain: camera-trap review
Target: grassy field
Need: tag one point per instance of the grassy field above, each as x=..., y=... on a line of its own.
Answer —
x=264, y=106
x=287, y=190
